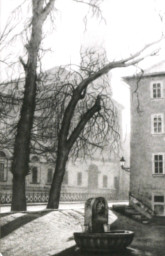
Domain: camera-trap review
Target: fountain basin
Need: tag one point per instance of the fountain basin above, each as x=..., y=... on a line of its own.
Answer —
x=103, y=242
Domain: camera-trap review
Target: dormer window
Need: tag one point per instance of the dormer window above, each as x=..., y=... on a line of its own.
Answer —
x=156, y=90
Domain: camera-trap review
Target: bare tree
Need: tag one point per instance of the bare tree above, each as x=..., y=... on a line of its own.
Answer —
x=56, y=90
x=40, y=10
x=74, y=111
x=87, y=114
x=10, y=102
x=66, y=137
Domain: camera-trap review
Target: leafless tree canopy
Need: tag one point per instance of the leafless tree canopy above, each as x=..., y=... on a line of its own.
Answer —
x=10, y=102
x=56, y=91
x=63, y=112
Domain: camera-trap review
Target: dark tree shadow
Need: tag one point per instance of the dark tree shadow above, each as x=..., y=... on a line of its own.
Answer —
x=20, y=221
x=5, y=214
x=74, y=251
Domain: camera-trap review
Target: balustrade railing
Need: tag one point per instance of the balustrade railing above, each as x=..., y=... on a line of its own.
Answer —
x=42, y=197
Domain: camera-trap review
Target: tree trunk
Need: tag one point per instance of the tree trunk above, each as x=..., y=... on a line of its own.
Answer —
x=54, y=195
x=18, y=196
x=22, y=141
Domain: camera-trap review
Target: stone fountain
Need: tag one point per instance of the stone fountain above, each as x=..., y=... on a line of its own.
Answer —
x=97, y=235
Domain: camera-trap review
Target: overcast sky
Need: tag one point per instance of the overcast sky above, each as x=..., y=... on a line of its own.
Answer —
x=129, y=25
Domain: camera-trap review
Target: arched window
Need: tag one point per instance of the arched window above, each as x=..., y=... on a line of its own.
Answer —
x=49, y=176
x=34, y=159
x=2, y=154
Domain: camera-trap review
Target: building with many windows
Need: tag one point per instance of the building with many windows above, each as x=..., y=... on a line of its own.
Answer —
x=147, y=178
x=84, y=178
x=99, y=176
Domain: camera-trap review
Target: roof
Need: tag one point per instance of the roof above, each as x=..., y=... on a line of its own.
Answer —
x=157, y=69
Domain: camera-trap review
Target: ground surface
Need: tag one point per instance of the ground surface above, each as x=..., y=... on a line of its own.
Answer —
x=46, y=233
x=148, y=238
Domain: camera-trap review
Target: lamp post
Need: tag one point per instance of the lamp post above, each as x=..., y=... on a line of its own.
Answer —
x=122, y=162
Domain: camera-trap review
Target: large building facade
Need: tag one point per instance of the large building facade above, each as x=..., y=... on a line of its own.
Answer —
x=101, y=175
x=83, y=179
x=147, y=178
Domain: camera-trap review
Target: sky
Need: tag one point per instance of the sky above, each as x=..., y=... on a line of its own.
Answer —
x=127, y=26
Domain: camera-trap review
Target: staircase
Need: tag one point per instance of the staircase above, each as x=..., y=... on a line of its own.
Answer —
x=136, y=210
x=132, y=213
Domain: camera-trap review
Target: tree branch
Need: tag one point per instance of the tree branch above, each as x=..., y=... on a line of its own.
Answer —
x=23, y=63
x=84, y=119
x=132, y=60
x=48, y=8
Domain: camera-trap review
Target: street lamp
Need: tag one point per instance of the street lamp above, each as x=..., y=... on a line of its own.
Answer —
x=122, y=162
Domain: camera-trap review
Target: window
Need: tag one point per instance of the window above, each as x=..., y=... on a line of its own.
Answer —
x=158, y=163
x=49, y=176
x=159, y=205
x=79, y=178
x=2, y=154
x=2, y=171
x=3, y=166
x=34, y=159
x=156, y=90
x=116, y=183
x=65, y=180
x=105, y=181
x=34, y=175
x=157, y=123
x=158, y=199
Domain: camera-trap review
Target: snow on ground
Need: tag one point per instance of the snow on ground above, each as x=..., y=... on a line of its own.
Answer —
x=63, y=205
x=46, y=235
x=11, y=217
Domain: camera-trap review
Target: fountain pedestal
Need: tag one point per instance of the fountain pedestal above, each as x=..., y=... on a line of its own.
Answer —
x=96, y=223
